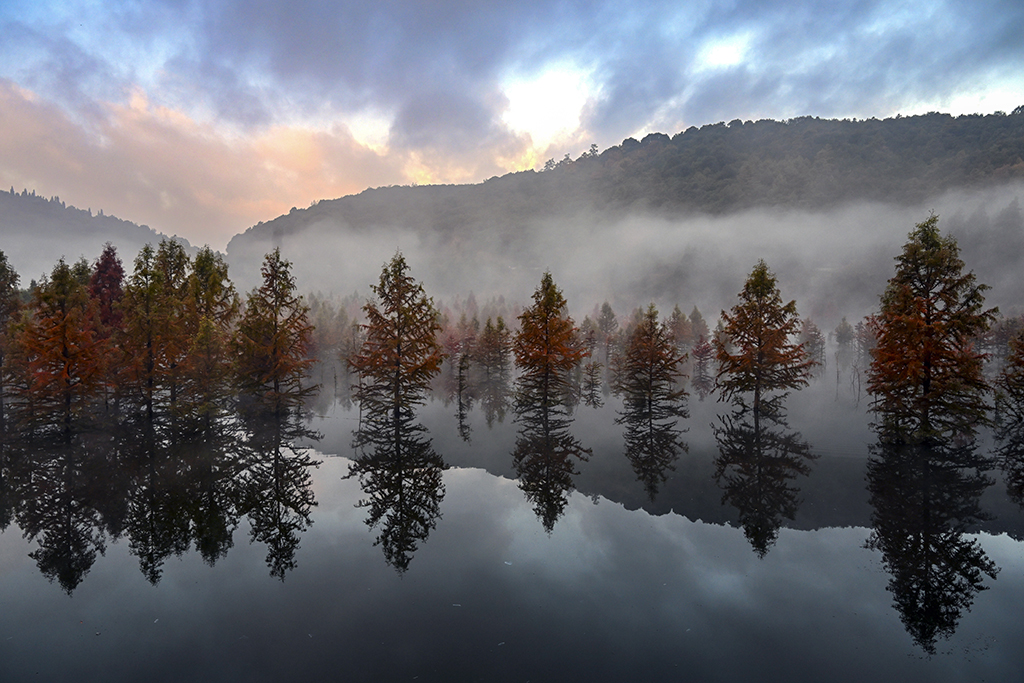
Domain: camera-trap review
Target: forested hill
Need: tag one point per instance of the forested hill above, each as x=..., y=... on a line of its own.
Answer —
x=801, y=163
x=36, y=231
x=708, y=187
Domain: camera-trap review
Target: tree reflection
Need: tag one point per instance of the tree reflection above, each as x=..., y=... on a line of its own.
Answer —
x=8, y=499
x=652, y=442
x=157, y=522
x=545, y=460
x=648, y=376
x=1009, y=431
x=275, y=486
x=400, y=475
x=216, y=492
x=924, y=497
x=1010, y=456
x=759, y=458
x=59, y=487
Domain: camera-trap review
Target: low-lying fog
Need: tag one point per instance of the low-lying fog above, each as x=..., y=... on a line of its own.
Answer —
x=834, y=263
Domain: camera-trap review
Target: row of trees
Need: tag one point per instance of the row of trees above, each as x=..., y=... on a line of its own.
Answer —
x=172, y=339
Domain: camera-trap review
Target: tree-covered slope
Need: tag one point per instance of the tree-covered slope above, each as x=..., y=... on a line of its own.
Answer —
x=36, y=231
x=823, y=201
x=719, y=168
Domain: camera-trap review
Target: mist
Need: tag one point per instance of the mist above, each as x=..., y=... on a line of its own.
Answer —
x=834, y=263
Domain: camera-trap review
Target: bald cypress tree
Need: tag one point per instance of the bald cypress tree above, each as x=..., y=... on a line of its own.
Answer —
x=926, y=376
x=9, y=305
x=273, y=340
x=62, y=352
x=400, y=354
x=758, y=355
x=546, y=349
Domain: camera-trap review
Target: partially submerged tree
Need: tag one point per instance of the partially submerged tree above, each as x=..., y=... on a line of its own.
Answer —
x=398, y=470
x=401, y=354
x=211, y=306
x=649, y=378
x=146, y=342
x=273, y=338
x=758, y=355
x=926, y=376
x=62, y=352
x=648, y=374
x=546, y=348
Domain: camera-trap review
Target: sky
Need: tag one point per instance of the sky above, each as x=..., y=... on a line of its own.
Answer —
x=203, y=117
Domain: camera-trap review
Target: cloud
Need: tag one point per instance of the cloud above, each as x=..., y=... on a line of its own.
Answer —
x=433, y=84
x=158, y=166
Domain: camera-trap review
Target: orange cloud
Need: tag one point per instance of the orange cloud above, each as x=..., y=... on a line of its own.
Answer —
x=160, y=167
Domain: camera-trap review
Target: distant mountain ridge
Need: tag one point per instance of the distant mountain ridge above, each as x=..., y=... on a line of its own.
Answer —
x=679, y=216
x=719, y=168
x=667, y=219
x=36, y=231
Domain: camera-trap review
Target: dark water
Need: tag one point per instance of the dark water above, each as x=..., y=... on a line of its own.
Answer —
x=623, y=588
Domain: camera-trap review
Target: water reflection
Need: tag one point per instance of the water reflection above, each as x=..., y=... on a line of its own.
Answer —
x=59, y=490
x=400, y=475
x=275, y=487
x=157, y=523
x=653, y=438
x=1009, y=452
x=759, y=459
x=545, y=459
x=924, y=498
x=161, y=485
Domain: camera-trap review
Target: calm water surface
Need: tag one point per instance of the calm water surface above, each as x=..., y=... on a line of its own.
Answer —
x=623, y=588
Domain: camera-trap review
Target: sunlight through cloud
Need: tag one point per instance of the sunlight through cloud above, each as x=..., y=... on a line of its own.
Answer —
x=723, y=53
x=549, y=105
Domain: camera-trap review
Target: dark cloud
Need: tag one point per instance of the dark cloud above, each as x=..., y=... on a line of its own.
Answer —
x=446, y=120
x=232, y=97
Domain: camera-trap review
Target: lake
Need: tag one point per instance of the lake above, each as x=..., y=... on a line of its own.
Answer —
x=267, y=570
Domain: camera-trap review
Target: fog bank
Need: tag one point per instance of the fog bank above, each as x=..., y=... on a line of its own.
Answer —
x=834, y=263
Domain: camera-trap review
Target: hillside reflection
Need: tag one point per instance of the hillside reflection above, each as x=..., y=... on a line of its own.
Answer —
x=400, y=476
x=759, y=459
x=924, y=499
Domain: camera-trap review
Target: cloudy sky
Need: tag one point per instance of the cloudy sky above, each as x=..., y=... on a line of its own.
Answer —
x=202, y=117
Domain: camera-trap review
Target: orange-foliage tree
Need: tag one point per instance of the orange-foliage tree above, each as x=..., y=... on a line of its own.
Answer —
x=273, y=340
x=401, y=353
x=64, y=358
x=758, y=355
x=106, y=286
x=546, y=349
x=926, y=376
